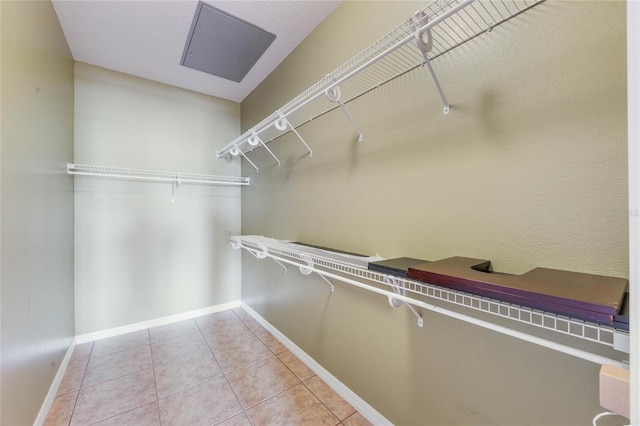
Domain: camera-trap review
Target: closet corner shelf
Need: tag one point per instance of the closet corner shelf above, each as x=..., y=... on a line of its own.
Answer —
x=428, y=34
x=352, y=269
x=175, y=178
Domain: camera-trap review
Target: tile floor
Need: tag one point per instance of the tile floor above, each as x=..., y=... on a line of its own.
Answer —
x=219, y=369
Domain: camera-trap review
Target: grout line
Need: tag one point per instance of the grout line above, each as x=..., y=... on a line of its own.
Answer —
x=323, y=403
x=153, y=371
x=84, y=373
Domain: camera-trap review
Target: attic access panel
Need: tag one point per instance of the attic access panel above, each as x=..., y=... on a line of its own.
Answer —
x=223, y=45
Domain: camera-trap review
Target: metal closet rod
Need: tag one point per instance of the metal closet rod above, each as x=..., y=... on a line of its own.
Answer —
x=272, y=118
x=579, y=353
x=154, y=175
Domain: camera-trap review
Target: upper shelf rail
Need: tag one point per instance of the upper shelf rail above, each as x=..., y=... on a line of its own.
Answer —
x=430, y=33
x=347, y=271
x=154, y=175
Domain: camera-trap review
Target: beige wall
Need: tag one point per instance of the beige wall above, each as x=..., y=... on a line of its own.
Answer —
x=529, y=169
x=139, y=256
x=37, y=206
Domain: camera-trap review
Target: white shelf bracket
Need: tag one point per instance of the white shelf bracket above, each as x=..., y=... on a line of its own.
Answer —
x=398, y=288
x=308, y=268
x=333, y=94
x=235, y=151
x=424, y=41
x=333, y=288
x=280, y=263
x=254, y=140
x=282, y=124
x=174, y=186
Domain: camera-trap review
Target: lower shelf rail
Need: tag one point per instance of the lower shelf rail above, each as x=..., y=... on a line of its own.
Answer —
x=351, y=269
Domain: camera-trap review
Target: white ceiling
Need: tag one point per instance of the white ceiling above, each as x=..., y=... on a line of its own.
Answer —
x=147, y=38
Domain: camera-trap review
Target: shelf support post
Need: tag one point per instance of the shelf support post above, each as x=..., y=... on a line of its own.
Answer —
x=282, y=123
x=396, y=303
x=333, y=94
x=424, y=41
x=254, y=140
x=235, y=151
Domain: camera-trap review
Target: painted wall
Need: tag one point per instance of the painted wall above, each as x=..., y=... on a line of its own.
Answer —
x=138, y=255
x=37, y=206
x=529, y=169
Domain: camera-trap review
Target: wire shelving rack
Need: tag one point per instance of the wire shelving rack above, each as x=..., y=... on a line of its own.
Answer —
x=345, y=269
x=154, y=175
x=428, y=34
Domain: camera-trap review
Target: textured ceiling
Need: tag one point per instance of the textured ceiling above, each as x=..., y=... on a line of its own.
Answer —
x=147, y=38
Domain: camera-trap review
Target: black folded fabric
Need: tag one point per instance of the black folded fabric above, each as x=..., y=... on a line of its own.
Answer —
x=398, y=266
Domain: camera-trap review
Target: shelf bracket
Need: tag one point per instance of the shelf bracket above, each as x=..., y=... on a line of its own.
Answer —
x=307, y=269
x=333, y=94
x=424, y=41
x=396, y=303
x=254, y=140
x=280, y=263
x=282, y=124
x=235, y=151
x=333, y=288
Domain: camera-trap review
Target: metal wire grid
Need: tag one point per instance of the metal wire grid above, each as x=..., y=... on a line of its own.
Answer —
x=90, y=170
x=569, y=326
x=473, y=20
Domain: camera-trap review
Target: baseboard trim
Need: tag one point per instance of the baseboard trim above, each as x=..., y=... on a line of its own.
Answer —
x=340, y=388
x=117, y=331
x=53, y=389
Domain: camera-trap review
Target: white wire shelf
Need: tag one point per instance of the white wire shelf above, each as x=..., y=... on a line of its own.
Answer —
x=155, y=175
x=430, y=33
x=343, y=268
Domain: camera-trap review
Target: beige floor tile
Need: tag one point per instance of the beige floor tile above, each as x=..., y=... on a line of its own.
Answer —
x=147, y=415
x=298, y=367
x=82, y=350
x=238, y=420
x=191, y=370
x=296, y=407
x=226, y=333
x=241, y=313
x=169, y=350
x=271, y=342
x=356, y=419
x=116, y=365
x=61, y=409
x=240, y=353
x=120, y=343
x=334, y=402
x=219, y=319
x=261, y=380
x=117, y=396
x=253, y=325
x=72, y=378
x=204, y=404
x=172, y=330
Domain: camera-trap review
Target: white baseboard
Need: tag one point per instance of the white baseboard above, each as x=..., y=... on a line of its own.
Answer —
x=340, y=388
x=53, y=389
x=103, y=334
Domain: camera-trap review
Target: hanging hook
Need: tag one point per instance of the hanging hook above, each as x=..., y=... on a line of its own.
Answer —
x=175, y=183
x=282, y=123
x=333, y=94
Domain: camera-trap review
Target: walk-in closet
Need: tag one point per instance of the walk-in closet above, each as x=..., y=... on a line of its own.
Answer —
x=325, y=212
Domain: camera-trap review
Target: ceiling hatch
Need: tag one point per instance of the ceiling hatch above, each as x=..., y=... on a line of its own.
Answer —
x=223, y=45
